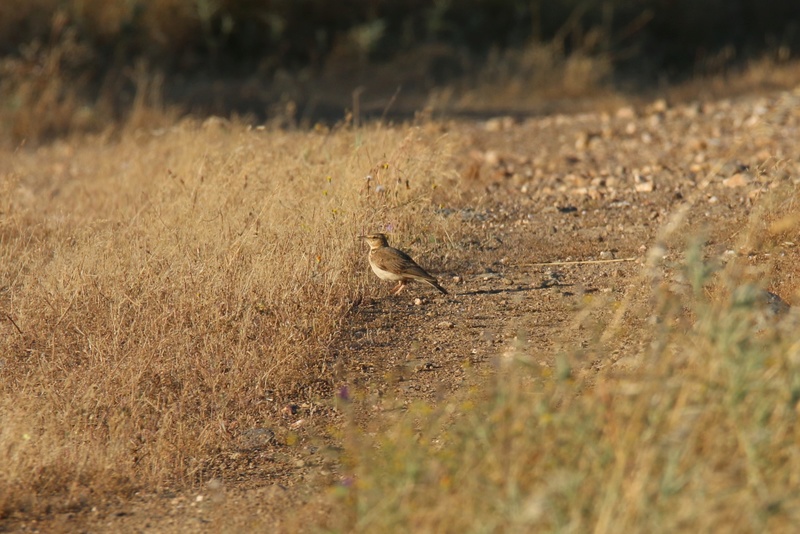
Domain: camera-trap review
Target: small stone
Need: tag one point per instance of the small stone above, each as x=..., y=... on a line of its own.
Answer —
x=445, y=324
x=298, y=423
x=644, y=186
x=456, y=279
x=626, y=113
x=493, y=125
x=737, y=180
x=498, y=124
x=491, y=157
x=417, y=301
x=427, y=366
x=659, y=106
x=775, y=305
x=255, y=438
x=606, y=255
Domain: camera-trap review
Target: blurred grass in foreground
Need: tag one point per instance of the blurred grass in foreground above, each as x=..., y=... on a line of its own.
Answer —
x=697, y=431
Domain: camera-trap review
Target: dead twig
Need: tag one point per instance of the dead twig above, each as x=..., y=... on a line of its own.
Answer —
x=8, y=316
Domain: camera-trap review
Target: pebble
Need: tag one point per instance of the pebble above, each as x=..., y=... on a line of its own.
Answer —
x=626, y=113
x=255, y=438
x=643, y=185
x=445, y=324
x=492, y=158
x=737, y=180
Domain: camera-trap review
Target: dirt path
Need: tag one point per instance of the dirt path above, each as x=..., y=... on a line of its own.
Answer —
x=587, y=188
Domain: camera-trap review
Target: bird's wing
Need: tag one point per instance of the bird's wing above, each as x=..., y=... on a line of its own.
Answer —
x=397, y=261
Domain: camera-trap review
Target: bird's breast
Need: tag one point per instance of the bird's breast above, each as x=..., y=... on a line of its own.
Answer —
x=382, y=274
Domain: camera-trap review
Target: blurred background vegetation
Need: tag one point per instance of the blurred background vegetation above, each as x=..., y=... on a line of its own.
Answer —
x=81, y=64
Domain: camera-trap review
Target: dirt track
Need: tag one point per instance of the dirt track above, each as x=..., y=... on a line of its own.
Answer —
x=558, y=189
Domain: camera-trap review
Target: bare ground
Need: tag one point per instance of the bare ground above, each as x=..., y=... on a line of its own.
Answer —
x=590, y=193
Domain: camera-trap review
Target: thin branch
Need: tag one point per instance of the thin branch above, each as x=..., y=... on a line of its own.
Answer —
x=8, y=316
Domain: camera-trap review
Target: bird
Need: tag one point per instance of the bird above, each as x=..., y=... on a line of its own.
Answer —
x=392, y=264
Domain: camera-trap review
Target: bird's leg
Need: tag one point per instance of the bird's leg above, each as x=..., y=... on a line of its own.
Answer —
x=400, y=285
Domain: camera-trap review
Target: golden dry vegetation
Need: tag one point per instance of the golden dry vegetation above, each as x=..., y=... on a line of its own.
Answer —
x=163, y=290
x=166, y=291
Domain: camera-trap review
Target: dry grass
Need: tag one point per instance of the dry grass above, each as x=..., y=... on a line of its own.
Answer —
x=697, y=433
x=160, y=291
x=541, y=74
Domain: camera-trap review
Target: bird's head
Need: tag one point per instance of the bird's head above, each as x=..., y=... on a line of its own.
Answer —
x=375, y=240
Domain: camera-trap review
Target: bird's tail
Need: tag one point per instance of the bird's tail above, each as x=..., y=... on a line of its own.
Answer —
x=435, y=284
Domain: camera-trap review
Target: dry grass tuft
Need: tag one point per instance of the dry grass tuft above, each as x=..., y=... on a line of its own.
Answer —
x=540, y=74
x=159, y=292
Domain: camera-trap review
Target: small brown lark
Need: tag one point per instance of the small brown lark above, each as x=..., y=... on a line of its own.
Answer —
x=392, y=264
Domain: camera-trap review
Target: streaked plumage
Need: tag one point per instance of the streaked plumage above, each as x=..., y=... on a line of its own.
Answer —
x=392, y=264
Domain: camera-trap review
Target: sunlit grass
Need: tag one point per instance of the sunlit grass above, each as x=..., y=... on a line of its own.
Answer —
x=160, y=290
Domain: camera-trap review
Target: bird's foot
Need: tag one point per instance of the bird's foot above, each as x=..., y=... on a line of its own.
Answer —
x=398, y=288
